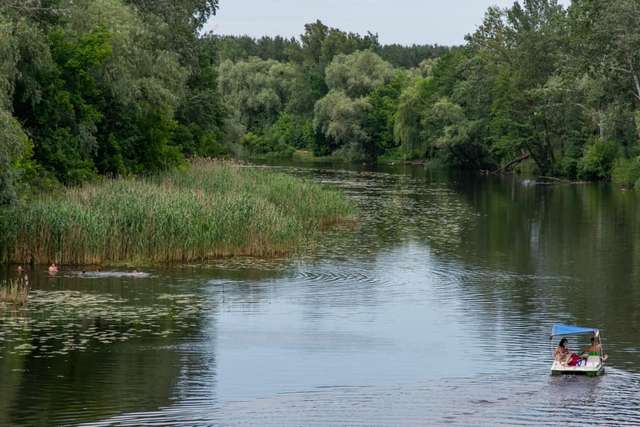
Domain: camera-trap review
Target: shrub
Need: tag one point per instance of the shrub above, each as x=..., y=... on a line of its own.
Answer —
x=597, y=161
x=291, y=130
x=266, y=146
x=626, y=172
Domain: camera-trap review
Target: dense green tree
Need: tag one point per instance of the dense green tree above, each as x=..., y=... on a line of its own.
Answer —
x=177, y=23
x=352, y=117
x=98, y=90
x=410, y=56
x=359, y=73
x=525, y=43
x=321, y=44
x=14, y=145
x=238, y=48
x=257, y=90
x=13, y=141
x=341, y=122
x=384, y=100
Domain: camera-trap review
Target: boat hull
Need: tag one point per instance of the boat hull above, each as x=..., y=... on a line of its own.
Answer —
x=593, y=368
x=586, y=373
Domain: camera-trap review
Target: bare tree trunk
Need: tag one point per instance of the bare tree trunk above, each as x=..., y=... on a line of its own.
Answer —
x=634, y=75
x=636, y=81
x=601, y=125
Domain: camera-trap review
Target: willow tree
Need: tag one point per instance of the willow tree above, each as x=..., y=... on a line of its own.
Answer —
x=359, y=73
x=257, y=91
x=341, y=122
x=343, y=119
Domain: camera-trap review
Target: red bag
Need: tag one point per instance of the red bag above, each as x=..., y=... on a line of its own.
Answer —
x=575, y=359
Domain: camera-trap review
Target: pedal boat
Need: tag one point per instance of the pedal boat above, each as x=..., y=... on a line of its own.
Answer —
x=592, y=366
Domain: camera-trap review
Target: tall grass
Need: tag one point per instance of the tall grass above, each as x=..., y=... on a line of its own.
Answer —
x=15, y=292
x=212, y=210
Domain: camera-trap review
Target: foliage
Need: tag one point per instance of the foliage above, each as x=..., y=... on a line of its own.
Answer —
x=257, y=90
x=358, y=74
x=265, y=146
x=213, y=209
x=292, y=130
x=14, y=144
x=626, y=173
x=357, y=116
x=410, y=56
x=341, y=121
x=598, y=160
x=121, y=87
x=99, y=88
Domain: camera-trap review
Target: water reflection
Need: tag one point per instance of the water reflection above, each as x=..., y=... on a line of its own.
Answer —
x=434, y=309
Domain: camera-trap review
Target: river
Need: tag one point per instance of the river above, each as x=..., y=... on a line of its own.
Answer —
x=435, y=309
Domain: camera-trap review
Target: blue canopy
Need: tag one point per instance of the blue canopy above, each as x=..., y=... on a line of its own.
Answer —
x=560, y=330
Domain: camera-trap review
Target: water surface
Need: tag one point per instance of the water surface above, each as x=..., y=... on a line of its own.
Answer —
x=434, y=309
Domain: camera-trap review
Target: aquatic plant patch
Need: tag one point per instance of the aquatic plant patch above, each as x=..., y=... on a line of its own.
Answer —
x=214, y=209
x=55, y=323
x=15, y=292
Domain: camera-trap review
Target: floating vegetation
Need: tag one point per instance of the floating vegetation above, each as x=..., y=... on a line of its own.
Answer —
x=59, y=322
x=215, y=209
x=15, y=292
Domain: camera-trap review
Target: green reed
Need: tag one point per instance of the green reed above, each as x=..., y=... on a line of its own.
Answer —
x=214, y=209
x=15, y=292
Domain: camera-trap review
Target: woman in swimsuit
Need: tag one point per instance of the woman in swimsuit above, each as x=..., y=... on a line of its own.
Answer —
x=565, y=356
x=562, y=353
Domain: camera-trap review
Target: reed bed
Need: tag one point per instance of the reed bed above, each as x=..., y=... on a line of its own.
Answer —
x=214, y=209
x=15, y=292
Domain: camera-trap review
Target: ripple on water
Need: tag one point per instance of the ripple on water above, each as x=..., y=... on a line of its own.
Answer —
x=418, y=315
x=485, y=400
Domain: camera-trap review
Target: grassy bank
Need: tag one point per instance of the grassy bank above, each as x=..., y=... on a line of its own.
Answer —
x=212, y=210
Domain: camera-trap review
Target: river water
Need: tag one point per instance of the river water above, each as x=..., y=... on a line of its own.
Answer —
x=435, y=309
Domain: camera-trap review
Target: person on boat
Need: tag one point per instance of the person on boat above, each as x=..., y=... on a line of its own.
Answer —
x=562, y=353
x=595, y=349
x=53, y=268
x=565, y=356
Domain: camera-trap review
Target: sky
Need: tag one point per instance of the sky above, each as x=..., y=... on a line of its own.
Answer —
x=444, y=22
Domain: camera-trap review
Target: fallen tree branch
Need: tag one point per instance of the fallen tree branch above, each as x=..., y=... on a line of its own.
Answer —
x=511, y=164
x=553, y=179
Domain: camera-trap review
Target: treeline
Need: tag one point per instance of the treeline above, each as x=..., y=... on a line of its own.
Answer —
x=119, y=87
x=236, y=48
x=332, y=92
x=537, y=87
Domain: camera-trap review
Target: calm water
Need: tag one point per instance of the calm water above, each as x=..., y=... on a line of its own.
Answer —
x=435, y=309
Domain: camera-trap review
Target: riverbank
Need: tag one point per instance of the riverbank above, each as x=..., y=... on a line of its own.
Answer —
x=213, y=209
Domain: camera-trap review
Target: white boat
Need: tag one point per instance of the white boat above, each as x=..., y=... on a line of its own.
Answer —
x=591, y=364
